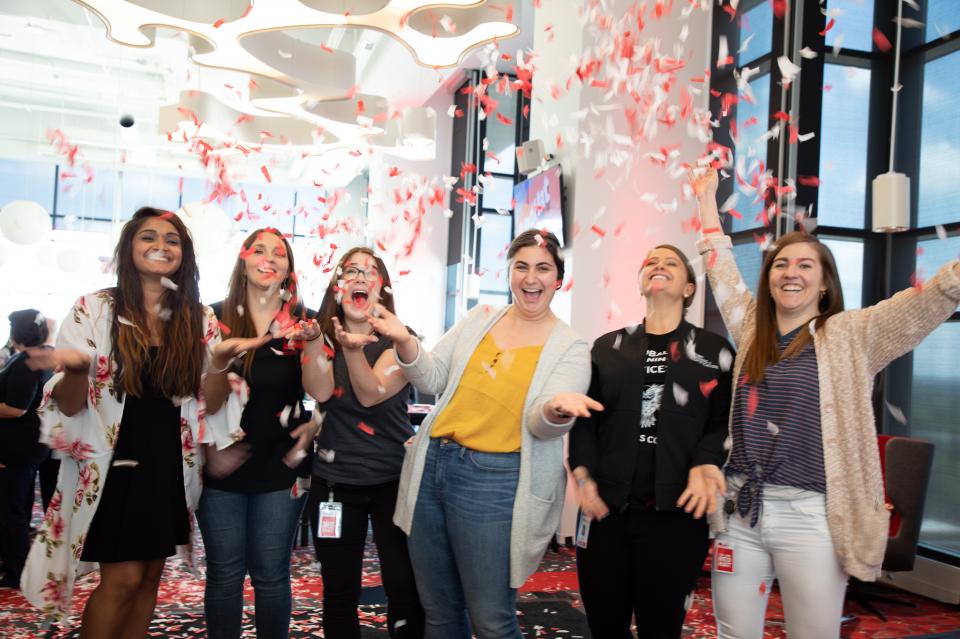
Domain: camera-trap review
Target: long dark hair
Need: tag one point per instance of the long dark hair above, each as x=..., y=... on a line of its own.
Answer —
x=763, y=351
x=179, y=363
x=331, y=308
x=238, y=322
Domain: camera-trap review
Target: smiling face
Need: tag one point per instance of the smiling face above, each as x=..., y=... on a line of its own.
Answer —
x=157, y=248
x=266, y=262
x=796, y=281
x=533, y=280
x=361, y=283
x=664, y=276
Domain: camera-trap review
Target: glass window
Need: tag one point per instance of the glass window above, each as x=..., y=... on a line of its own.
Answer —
x=942, y=18
x=938, y=187
x=751, y=125
x=501, y=138
x=492, y=264
x=933, y=417
x=79, y=201
x=749, y=259
x=199, y=190
x=32, y=181
x=756, y=33
x=848, y=254
x=853, y=27
x=843, y=146
x=498, y=193
x=148, y=189
x=932, y=254
x=269, y=205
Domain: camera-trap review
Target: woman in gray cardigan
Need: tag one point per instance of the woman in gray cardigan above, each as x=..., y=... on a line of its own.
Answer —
x=483, y=481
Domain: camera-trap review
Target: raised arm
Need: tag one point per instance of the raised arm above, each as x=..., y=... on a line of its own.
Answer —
x=76, y=349
x=897, y=325
x=562, y=399
x=733, y=297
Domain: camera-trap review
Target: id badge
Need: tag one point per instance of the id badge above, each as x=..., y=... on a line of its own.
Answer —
x=583, y=531
x=329, y=520
x=722, y=558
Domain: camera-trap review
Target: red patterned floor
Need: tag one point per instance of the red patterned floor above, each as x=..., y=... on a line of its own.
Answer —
x=549, y=606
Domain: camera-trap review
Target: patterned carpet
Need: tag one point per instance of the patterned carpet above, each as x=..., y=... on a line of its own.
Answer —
x=549, y=607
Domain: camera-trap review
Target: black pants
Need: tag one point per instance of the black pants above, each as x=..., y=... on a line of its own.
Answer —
x=642, y=563
x=341, y=561
x=49, y=473
x=16, y=502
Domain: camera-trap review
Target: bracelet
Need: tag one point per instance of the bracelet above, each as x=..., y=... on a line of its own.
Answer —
x=314, y=338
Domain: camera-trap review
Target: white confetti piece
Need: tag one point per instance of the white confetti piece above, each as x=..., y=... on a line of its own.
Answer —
x=285, y=416
x=941, y=232
x=896, y=413
x=616, y=342
x=448, y=24
x=725, y=360
x=680, y=395
x=807, y=53
x=240, y=310
x=773, y=429
x=390, y=370
x=123, y=320
x=728, y=443
x=166, y=282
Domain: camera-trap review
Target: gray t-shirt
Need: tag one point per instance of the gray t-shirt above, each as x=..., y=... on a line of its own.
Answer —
x=366, y=443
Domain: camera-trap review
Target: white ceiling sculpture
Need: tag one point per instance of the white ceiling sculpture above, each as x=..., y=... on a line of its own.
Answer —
x=292, y=76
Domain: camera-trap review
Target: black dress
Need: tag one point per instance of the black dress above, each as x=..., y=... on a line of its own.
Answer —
x=143, y=508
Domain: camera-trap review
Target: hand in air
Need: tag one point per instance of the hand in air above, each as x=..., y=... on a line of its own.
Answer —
x=305, y=330
x=566, y=405
x=230, y=348
x=67, y=359
x=704, y=182
x=351, y=341
x=389, y=325
x=705, y=486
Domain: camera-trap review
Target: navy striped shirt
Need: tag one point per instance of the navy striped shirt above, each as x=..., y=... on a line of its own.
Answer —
x=776, y=429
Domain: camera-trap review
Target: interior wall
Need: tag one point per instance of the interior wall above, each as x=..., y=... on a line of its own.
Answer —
x=604, y=293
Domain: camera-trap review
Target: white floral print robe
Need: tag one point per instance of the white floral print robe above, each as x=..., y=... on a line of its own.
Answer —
x=86, y=441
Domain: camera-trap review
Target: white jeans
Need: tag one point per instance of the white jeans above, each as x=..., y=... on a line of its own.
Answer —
x=790, y=543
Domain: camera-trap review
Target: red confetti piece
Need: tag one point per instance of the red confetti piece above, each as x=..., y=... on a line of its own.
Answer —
x=224, y=328
x=707, y=387
x=266, y=173
x=881, y=40
x=752, y=401
x=218, y=23
x=675, y=351
x=366, y=428
x=394, y=171
x=338, y=392
x=828, y=27
x=504, y=119
x=596, y=229
x=808, y=180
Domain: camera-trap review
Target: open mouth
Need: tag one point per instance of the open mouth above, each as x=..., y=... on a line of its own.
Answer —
x=359, y=298
x=531, y=295
x=157, y=256
x=265, y=269
x=791, y=288
x=659, y=277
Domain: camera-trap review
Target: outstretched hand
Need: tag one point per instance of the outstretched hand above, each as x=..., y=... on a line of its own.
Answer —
x=67, y=359
x=234, y=346
x=566, y=405
x=389, y=325
x=304, y=434
x=351, y=341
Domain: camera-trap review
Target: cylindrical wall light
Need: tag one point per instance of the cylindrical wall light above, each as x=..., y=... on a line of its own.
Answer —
x=891, y=203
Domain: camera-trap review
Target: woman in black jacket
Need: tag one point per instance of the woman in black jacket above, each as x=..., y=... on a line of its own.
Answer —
x=648, y=467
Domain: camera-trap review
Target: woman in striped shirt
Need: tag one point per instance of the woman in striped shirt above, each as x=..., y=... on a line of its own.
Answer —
x=805, y=501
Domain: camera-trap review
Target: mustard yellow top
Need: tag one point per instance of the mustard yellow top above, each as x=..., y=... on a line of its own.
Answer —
x=486, y=409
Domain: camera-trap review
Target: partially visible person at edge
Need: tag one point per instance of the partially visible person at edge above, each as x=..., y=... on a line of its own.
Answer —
x=482, y=485
x=360, y=452
x=123, y=407
x=805, y=499
x=648, y=467
x=254, y=388
x=21, y=452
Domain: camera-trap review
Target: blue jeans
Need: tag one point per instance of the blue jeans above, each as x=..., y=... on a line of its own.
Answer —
x=248, y=532
x=460, y=542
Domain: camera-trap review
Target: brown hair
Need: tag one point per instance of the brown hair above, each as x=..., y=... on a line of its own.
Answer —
x=240, y=323
x=179, y=363
x=331, y=308
x=763, y=351
x=691, y=276
x=539, y=237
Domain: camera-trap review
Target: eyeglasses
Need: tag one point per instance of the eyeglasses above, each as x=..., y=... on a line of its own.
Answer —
x=351, y=273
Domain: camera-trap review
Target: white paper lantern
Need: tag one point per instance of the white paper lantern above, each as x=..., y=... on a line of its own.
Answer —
x=70, y=259
x=209, y=227
x=24, y=222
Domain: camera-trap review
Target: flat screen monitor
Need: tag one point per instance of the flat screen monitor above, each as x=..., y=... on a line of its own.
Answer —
x=538, y=203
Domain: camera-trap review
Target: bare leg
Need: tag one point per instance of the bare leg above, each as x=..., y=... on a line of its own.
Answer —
x=141, y=612
x=111, y=603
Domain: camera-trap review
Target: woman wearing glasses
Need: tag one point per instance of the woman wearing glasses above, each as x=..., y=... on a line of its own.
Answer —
x=360, y=453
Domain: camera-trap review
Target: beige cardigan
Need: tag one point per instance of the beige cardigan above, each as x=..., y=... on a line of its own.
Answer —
x=852, y=347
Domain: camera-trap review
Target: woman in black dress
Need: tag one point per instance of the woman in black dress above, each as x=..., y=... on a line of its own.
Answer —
x=124, y=408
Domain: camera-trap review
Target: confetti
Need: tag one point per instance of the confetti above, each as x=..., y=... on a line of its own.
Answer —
x=366, y=428
x=166, y=282
x=680, y=395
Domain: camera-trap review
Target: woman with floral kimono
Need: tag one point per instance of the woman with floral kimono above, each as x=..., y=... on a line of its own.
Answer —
x=123, y=405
